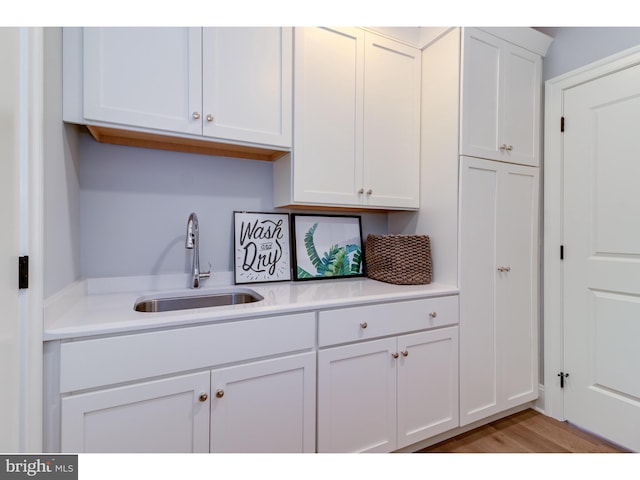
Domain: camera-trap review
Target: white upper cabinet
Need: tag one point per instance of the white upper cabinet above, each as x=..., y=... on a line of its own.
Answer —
x=224, y=84
x=247, y=79
x=144, y=77
x=356, y=116
x=391, y=123
x=328, y=98
x=501, y=86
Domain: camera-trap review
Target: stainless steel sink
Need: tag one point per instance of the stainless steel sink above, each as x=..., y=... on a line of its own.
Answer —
x=187, y=302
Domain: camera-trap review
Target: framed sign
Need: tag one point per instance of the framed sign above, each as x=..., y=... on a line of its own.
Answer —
x=261, y=247
x=327, y=246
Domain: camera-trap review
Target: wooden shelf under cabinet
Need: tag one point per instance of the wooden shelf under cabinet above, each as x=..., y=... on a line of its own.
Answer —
x=131, y=138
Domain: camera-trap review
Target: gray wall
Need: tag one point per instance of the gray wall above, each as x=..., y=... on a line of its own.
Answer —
x=135, y=203
x=61, y=177
x=574, y=47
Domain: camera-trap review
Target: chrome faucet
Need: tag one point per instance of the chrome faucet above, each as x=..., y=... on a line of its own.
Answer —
x=193, y=243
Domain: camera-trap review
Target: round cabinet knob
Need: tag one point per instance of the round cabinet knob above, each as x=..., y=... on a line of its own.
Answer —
x=219, y=393
x=364, y=325
x=405, y=353
x=509, y=148
x=203, y=397
x=361, y=191
x=196, y=115
x=507, y=269
x=395, y=355
x=209, y=118
x=369, y=192
x=433, y=314
x=503, y=146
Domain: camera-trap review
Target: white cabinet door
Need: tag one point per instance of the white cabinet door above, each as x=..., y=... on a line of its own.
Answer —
x=145, y=77
x=328, y=77
x=356, y=115
x=264, y=407
x=169, y=415
x=247, y=77
x=521, y=106
x=517, y=285
x=498, y=287
x=427, y=384
x=357, y=397
x=382, y=395
x=500, y=110
x=391, y=124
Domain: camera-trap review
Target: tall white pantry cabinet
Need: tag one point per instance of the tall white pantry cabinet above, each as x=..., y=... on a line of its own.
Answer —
x=480, y=152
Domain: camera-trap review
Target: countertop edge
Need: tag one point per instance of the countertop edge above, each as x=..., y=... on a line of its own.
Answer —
x=77, y=313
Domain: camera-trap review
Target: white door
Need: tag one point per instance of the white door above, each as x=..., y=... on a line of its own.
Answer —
x=602, y=256
x=20, y=216
x=264, y=407
x=9, y=239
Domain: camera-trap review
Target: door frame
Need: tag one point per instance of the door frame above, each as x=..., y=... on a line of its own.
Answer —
x=553, y=168
x=29, y=114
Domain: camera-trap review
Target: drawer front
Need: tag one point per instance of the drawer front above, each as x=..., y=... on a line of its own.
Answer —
x=104, y=361
x=361, y=323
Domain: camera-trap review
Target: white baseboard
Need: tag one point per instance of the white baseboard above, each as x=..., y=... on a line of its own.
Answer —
x=539, y=403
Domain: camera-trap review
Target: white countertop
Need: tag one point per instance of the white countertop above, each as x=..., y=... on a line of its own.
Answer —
x=83, y=310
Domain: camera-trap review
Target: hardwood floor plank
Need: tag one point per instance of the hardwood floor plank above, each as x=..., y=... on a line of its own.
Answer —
x=525, y=432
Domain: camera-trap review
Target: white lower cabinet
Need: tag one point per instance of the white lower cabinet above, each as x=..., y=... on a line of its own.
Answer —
x=427, y=384
x=383, y=395
x=357, y=397
x=237, y=386
x=265, y=407
x=161, y=416
x=370, y=378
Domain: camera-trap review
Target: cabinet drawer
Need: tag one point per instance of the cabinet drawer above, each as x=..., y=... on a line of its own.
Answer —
x=371, y=321
x=104, y=361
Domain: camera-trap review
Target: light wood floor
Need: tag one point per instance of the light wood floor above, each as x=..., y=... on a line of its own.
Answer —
x=525, y=432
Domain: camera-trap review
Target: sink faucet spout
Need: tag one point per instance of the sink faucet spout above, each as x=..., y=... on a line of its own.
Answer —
x=193, y=243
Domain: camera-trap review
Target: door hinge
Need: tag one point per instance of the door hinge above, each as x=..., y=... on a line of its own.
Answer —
x=561, y=252
x=562, y=124
x=23, y=272
x=562, y=376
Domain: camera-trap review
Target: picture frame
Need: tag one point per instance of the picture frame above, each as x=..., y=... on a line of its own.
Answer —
x=261, y=247
x=326, y=246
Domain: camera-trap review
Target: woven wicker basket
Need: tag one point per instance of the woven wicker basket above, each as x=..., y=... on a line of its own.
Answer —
x=399, y=259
